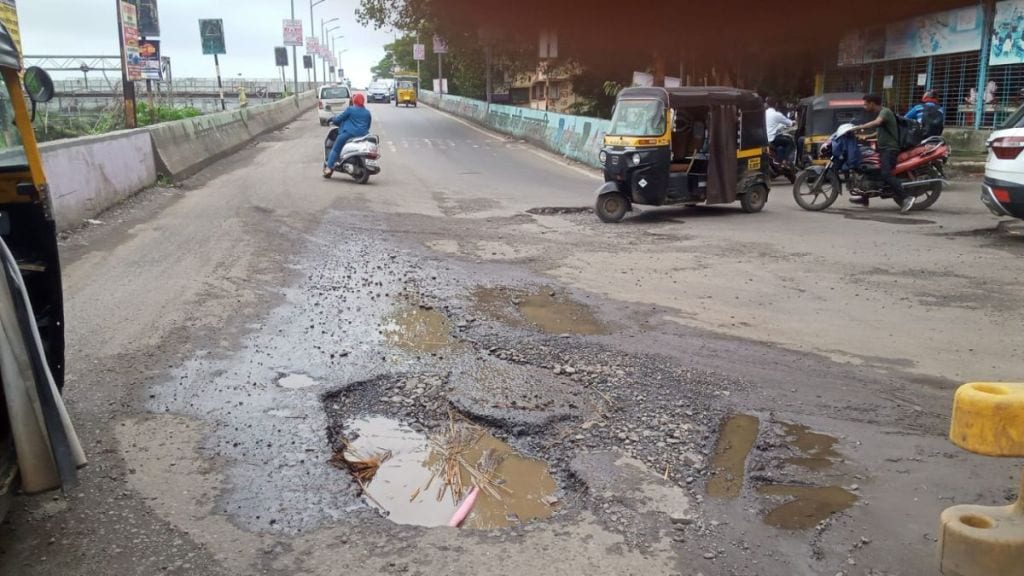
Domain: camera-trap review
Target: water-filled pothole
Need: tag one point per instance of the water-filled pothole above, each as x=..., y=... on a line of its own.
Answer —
x=809, y=505
x=417, y=329
x=818, y=450
x=423, y=480
x=736, y=440
x=544, y=309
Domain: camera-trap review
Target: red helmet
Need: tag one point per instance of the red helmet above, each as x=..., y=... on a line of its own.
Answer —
x=359, y=99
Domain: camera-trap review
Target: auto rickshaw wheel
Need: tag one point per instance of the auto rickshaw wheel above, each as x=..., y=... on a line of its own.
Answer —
x=612, y=207
x=754, y=199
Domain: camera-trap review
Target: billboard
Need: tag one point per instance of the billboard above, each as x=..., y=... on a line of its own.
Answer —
x=940, y=33
x=292, y=32
x=1008, y=33
x=281, y=56
x=9, y=16
x=211, y=32
x=149, y=53
x=130, y=30
x=149, y=18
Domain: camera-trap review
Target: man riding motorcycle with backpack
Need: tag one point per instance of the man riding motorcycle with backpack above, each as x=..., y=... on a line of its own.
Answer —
x=930, y=114
x=888, y=150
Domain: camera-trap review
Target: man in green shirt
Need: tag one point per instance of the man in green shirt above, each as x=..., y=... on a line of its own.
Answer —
x=888, y=149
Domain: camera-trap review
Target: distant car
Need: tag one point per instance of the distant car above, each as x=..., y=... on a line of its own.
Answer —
x=1003, y=186
x=333, y=100
x=379, y=92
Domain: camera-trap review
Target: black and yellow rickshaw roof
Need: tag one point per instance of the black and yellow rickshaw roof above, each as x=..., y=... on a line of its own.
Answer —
x=695, y=96
x=9, y=57
x=834, y=100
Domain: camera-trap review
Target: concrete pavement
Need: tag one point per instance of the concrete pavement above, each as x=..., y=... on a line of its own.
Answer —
x=184, y=304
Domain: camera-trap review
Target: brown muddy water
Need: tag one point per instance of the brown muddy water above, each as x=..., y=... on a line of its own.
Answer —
x=406, y=491
x=729, y=462
x=418, y=330
x=543, y=308
x=818, y=450
x=808, y=506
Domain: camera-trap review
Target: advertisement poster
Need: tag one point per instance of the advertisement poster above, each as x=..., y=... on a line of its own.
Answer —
x=149, y=52
x=419, y=52
x=130, y=26
x=862, y=47
x=293, y=32
x=149, y=18
x=9, y=16
x=312, y=46
x=440, y=46
x=211, y=32
x=1008, y=33
x=935, y=34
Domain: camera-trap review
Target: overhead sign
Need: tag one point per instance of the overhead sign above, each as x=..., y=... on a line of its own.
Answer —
x=211, y=32
x=307, y=62
x=440, y=46
x=419, y=52
x=281, y=56
x=149, y=53
x=149, y=18
x=9, y=16
x=293, y=32
x=130, y=29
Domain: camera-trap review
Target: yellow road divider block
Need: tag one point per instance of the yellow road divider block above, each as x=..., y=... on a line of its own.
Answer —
x=988, y=419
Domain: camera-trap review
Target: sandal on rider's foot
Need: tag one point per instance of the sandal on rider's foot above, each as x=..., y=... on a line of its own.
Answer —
x=328, y=172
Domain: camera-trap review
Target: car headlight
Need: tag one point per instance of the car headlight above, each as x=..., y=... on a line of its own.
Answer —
x=602, y=157
x=636, y=159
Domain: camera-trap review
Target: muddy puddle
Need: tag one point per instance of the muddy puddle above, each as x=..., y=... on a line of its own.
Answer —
x=808, y=505
x=409, y=484
x=818, y=451
x=728, y=464
x=544, y=309
x=419, y=330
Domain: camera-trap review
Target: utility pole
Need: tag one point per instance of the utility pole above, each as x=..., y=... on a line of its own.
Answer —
x=220, y=85
x=295, y=61
x=127, y=85
x=312, y=23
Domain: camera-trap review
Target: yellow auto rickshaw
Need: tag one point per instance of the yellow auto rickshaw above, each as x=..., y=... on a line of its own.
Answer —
x=819, y=117
x=689, y=145
x=406, y=90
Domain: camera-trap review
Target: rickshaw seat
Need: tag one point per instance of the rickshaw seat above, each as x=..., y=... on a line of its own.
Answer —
x=681, y=167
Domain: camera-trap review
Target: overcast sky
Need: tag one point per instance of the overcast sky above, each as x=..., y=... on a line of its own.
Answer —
x=252, y=29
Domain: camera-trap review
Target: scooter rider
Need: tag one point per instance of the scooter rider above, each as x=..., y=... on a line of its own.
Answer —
x=354, y=122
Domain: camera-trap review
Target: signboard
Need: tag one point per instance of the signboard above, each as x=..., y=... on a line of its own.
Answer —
x=419, y=52
x=440, y=46
x=212, y=34
x=149, y=18
x=940, y=33
x=149, y=53
x=281, y=56
x=292, y=32
x=331, y=69
x=9, y=16
x=671, y=82
x=1008, y=33
x=130, y=28
x=643, y=79
x=441, y=87
x=549, y=44
x=312, y=45
x=307, y=62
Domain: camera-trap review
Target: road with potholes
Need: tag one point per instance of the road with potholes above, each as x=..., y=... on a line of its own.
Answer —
x=711, y=392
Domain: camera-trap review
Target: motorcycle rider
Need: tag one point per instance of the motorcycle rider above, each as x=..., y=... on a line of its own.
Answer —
x=775, y=121
x=929, y=113
x=888, y=150
x=354, y=122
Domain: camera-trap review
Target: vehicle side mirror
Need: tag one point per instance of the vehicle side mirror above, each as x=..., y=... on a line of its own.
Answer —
x=38, y=85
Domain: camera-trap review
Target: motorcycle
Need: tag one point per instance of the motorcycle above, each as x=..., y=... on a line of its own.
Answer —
x=785, y=167
x=359, y=158
x=921, y=169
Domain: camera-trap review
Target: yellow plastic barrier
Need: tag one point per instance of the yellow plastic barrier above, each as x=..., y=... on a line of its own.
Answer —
x=988, y=419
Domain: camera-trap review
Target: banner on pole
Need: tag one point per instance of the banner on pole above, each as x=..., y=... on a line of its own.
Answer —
x=293, y=32
x=130, y=27
x=312, y=45
x=149, y=18
x=440, y=46
x=149, y=53
x=281, y=56
x=419, y=52
x=211, y=31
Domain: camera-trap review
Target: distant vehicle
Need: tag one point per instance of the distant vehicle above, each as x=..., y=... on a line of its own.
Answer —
x=1003, y=186
x=331, y=101
x=379, y=92
x=405, y=90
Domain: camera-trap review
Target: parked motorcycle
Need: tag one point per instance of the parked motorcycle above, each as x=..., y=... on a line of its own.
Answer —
x=360, y=157
x=785, y=167
x=921, y=169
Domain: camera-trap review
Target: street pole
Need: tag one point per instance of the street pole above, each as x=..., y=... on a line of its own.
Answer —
x=440, y=75
x=220, y=85
x=127, y=85
x=312, y=23
x=487, y=57
x=295, y=62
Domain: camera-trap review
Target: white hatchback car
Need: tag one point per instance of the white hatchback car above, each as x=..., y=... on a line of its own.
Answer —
x=1003, y=187
x=333, y=100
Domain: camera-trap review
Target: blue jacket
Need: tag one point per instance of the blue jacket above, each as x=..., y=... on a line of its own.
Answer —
x=355, y=120
x=917, y=111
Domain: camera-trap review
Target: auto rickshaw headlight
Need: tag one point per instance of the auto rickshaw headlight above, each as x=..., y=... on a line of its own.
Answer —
x=636, y=159
x=602, y=157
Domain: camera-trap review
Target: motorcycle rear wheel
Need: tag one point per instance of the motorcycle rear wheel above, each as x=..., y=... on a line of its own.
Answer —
x=816, y=200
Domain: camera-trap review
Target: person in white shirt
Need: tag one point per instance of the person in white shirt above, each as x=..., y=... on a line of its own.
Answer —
x=775, y=121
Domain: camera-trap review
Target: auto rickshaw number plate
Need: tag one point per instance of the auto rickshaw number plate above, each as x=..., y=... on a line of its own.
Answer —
x=754, y=164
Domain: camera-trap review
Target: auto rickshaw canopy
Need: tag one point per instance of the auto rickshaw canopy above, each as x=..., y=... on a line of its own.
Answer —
x=821, y=115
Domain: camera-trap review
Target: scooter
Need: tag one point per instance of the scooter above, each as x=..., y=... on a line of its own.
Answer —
x=785, y=167
x=359, y=158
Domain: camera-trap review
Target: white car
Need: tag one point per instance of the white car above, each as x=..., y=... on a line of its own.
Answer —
x=331, y=101
x=1003, y=187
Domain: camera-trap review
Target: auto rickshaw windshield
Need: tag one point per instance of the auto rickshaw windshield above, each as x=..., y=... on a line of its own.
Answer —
x=12, y=151
x=638, y=118
x=405, y=85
